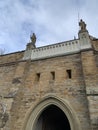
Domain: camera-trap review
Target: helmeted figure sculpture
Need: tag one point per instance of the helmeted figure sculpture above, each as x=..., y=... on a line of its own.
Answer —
x=82, y=26
x=33, y=38
x=31, y=45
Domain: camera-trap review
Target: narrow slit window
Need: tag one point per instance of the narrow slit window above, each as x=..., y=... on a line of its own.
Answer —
x=53, y=75
x=69, y=74
x=37, y=76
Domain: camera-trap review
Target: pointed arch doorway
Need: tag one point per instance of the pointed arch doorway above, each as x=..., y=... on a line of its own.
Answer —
x=52, y=118
x=52, y=113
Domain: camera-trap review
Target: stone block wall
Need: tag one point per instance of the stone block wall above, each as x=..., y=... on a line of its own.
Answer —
x=24, y=83
x=12, y=57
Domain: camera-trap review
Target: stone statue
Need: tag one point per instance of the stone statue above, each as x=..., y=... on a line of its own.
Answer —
x=33, y=38
x=31, y=45
x=82, y=25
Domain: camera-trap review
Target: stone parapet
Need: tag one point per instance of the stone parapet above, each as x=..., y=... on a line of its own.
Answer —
x=55, y=50
x=63, y=48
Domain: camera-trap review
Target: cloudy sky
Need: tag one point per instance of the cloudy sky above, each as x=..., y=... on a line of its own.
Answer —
x=51, y=20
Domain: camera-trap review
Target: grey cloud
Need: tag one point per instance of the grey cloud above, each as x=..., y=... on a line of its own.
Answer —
x=51, y=20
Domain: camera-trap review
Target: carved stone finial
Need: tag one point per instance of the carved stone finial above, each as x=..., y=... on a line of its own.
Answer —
x=82, y=26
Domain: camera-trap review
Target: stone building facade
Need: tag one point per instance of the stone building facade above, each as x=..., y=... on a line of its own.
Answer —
x=51, y=87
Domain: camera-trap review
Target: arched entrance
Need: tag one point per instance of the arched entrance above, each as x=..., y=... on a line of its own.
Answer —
x=53, y=112
x=52, y=118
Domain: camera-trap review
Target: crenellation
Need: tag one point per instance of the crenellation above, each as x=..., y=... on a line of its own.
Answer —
x=55, y=50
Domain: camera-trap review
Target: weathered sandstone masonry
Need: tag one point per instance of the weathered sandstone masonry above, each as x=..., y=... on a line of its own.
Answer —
x=58, y=82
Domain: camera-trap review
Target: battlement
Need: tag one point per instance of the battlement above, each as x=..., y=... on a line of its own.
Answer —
x=56, y=49
x=63, y=48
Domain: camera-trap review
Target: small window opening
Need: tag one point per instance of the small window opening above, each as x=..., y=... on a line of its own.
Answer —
x=53, y=75
x=37, y=76
x=69, y=74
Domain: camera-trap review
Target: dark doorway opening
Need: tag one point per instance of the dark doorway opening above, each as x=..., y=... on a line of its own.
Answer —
x=53, y=118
